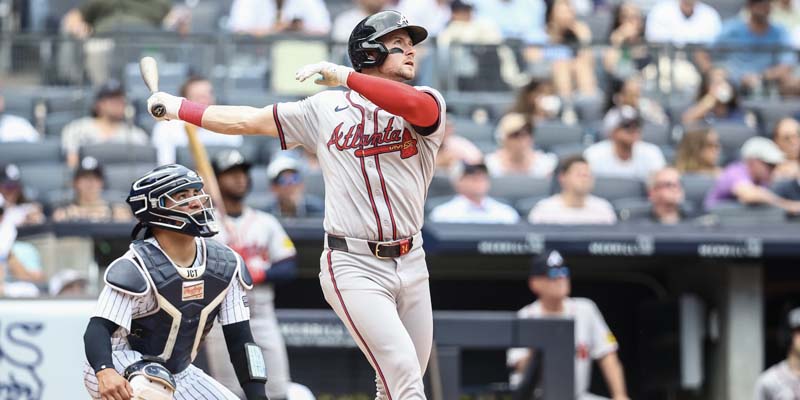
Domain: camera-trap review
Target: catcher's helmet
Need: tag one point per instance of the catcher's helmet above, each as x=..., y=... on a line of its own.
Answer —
x=154, y=203
x=365, y=35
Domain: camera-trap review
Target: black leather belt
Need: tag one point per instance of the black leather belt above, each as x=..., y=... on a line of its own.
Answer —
x=379, y=249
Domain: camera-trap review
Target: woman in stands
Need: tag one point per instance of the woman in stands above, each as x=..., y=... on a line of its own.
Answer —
x=628, y=92
x=787, y=136
x=628, y=53
x=717, y=101
x=699, y=153
x=537, y=100
x=17, y=208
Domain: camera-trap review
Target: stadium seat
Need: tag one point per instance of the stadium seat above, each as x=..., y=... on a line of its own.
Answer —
x=769, y=112
x=473, y=131
x=119, y=153
x=732, y=136
x=315, y=184
x=440, y=186
x=589, y=109
x=568, y=149
x=656, y=134
x=552, y=133
x=48, y=151
x=42, y=178
x=612, y=188
x=695, y=187
x=258, y=180
x=734, y=213
x=516, y=187
x=631, y=208
x=524, y=206
x=19, y=103
x=120, y=177
x=55, y=122
x=433, y=202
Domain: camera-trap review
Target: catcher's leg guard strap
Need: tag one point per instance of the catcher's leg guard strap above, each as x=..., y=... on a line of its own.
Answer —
x=150, y=380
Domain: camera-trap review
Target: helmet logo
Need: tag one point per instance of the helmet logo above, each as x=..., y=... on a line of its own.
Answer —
x=403, y=21
x=191, y=174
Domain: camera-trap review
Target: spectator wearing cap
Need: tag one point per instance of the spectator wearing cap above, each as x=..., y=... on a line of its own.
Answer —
x=516, y=154
x=549, y=280
x=624, y=154
x=88, y=204
x=756, y=63
x=456, y=149
x=471, y=204
x=782, y=380
x=291, y=200
x=14, y=128
x=787, y=136
x=106, y=124
x=169, y=135
x=746, y=181
x=18, y=208
x=68, y=283
x=574, y=205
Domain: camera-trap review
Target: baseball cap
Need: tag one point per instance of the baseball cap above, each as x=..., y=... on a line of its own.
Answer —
x=89, y=166
x=462, y=169
x=228, y=159
x=550, y=264
x=10, y=175
x=111, y=88
x=279, y=165
x=620, y=117
x=64, y=278
x=461, y=5
x=762, y=149
x=794, y=318
x=512, y=123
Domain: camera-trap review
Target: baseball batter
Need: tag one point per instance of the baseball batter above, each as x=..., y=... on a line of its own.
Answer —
x=376, y=144
x=162, y=296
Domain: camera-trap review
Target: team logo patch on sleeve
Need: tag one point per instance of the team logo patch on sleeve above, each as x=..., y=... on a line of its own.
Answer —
x=193, y=290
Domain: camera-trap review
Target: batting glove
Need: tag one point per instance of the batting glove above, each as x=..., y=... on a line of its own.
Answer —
x=332, y=74
x=171, y=103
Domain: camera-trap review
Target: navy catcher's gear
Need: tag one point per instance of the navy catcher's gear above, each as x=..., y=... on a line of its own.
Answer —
x=364, y=38
x=149, y=198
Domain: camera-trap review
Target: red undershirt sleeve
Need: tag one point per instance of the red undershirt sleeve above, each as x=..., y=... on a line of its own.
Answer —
x=415, y=106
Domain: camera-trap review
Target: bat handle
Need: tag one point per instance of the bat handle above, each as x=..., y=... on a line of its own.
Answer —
x=158, y=110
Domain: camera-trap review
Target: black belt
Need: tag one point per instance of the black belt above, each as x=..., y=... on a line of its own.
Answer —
x=379, y=249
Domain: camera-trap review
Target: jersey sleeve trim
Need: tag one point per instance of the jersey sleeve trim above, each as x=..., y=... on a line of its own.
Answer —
x=124, y=275
x=428, y=130
x=278, y=125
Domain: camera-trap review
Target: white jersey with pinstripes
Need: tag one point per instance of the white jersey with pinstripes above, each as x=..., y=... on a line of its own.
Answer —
x=376, y=166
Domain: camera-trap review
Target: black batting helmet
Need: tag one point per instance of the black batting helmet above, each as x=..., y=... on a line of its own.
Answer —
x=154, y=203
x=365, y=35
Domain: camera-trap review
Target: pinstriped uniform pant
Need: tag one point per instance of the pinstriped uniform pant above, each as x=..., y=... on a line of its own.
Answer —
x=192, y=382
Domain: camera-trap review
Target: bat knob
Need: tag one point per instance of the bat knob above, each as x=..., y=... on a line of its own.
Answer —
x=158, y=110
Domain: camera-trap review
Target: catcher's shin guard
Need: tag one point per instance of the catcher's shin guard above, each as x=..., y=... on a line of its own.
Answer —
x=150, y=380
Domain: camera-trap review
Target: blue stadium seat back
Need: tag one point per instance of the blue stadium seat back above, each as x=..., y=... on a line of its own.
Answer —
x=589, y=109
x=42, y=178
x=614, y=188
x=77, y=100
x=726, y=8
x=734, y=213
x=63, y=197
x=119, y=153
x=259, y=182
x=314, y=184
x=55, y=122
x=657, y=134
x=440, y=186
x=524, y=206
x=120, y=177
x=206, y=16
x=171, y=76
x=472, y=130
x=676, y=106
x=46, y=151
x=184, y=157
x=516, y=187
x=19, y=103
x=769, y=112
x=260, y=201
x=695, y=187
x=732, y=136
x=568, y=149
x=433, y=202
x=631, y=208
x=552, y=133
x=264, y=148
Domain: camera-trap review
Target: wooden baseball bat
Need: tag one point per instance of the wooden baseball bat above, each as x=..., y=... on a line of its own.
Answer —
x=149, y=71
x=203, y=166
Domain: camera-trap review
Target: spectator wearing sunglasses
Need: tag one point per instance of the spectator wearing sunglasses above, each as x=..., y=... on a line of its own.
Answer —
x=747, y=181
x=549, y=280
x=286, y=183
x=665, y=194
x=624, y=154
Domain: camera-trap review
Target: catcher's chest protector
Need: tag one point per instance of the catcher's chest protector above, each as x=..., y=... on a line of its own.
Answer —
x=187, y=305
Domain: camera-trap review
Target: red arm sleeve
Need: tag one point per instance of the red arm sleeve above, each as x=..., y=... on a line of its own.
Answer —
x=416, y=107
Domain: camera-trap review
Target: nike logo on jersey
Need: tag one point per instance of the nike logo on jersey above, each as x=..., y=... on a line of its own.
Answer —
x=387, y=141
x=337, y=109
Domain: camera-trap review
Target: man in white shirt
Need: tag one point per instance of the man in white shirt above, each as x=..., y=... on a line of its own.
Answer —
x=343, y=23
x=682, y=22
x=549, y=281
x=264, y=17
x=624, y=154
x=574, y=205
x=169, y=135
x=472, y=204
x=14, y=128
x=782, y=380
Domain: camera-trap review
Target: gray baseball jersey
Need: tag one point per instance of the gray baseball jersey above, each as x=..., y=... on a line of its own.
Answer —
x=120, y=308
x=377, y=168
x=779, y=382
